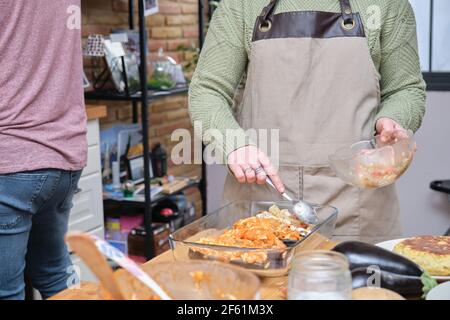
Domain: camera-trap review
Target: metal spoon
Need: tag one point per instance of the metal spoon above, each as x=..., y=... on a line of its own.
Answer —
x=302, y=210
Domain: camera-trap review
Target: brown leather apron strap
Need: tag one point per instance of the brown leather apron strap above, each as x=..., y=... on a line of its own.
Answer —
x=268, y=10
x=346, y=9
x=347, y=14
x=265, y=17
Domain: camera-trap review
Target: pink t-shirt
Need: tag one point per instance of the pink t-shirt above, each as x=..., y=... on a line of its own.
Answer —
x=42, y=112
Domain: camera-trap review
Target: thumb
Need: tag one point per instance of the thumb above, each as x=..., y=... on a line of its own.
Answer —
x=385, y=127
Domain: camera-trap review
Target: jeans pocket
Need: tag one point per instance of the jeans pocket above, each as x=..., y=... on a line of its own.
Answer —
x=19, y=196
x=72, y=189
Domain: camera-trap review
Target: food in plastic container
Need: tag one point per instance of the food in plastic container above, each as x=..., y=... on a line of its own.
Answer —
x=374, y=163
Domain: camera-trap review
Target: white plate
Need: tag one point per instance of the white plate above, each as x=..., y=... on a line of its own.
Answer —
x=441, y=292
x=390, y=244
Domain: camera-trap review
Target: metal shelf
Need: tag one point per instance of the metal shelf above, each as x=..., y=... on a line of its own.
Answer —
x=142, y=204
x=145, y=97
x=112, y=95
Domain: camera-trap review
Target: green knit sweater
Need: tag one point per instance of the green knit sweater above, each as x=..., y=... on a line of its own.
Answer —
x=223, y=60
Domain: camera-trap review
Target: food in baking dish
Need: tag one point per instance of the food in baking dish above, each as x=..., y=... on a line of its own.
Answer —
x=270, y=229
x=432, y=253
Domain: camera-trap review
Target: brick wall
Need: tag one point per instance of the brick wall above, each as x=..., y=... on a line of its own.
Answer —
x=175, y=25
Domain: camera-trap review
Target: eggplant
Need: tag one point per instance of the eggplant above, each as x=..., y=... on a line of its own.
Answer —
x=403, y=285
x=364, y=255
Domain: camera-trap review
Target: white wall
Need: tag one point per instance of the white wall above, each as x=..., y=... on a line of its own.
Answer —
x=423, y=211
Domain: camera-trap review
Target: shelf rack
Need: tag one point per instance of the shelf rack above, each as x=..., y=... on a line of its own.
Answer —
x=145, y=98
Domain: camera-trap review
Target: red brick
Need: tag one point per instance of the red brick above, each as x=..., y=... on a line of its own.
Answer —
x=176, y=44
x=157, y=118
x=166, y=32
x=120, y=5
x=168, y=7
x=155, y=20
x=190, y=32
x=89, y=29
x=189, y=8
x=154, y=44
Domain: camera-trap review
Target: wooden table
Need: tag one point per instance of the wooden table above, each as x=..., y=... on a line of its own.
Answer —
x=271, y=288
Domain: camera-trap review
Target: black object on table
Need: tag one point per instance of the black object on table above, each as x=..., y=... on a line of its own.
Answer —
x=442, y=186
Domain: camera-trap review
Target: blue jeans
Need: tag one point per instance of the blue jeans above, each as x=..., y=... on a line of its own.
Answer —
x=34, y=214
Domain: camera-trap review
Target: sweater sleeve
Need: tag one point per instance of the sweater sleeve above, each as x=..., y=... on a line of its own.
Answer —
x=402, y=86
x=219, y=71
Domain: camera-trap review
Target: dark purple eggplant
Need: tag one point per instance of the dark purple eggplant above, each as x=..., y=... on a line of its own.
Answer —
x=363, y=255
x=403, y=285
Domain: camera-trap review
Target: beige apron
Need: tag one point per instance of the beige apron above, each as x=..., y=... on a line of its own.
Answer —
x=312, y=77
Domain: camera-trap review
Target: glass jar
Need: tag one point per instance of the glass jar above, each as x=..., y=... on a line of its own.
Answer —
x=320, y=275
x=161, y=72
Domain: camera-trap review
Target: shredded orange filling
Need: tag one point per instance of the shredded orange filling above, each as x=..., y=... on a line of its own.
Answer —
x=262, y=232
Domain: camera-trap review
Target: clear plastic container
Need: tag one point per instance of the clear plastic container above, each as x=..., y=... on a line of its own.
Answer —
x=374, y=164
x=320, y=275
x=162, y=69
x=263, y=262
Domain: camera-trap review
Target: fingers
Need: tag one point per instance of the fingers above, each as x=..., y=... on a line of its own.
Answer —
x=237, y=172
x=276, y=180
x=258, y=169
x=250, y=165
x=249, y=174
x=390, y=131
x=397, y=134
x=271, y=172
x=387, y=135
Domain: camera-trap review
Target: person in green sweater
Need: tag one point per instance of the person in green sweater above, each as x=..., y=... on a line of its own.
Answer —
x=325, y=73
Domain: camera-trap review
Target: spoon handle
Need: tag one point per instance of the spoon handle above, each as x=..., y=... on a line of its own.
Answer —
x=117, y=256
x=284, y=195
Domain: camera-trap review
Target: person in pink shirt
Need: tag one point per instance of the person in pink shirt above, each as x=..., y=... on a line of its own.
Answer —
x=43, y=145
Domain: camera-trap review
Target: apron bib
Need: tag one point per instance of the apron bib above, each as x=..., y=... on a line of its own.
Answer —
x=312, y=77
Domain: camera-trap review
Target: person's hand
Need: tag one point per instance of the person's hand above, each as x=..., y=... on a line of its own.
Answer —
x=250, y=165
x=389, y=131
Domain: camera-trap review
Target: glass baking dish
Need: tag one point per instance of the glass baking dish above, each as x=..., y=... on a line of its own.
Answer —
x=263, y=262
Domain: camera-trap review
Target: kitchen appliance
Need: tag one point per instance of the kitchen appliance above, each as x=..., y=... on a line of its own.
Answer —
x=185, y=246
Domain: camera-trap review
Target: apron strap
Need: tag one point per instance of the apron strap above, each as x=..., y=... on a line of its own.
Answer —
x=347, y=13
x=268, y=11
